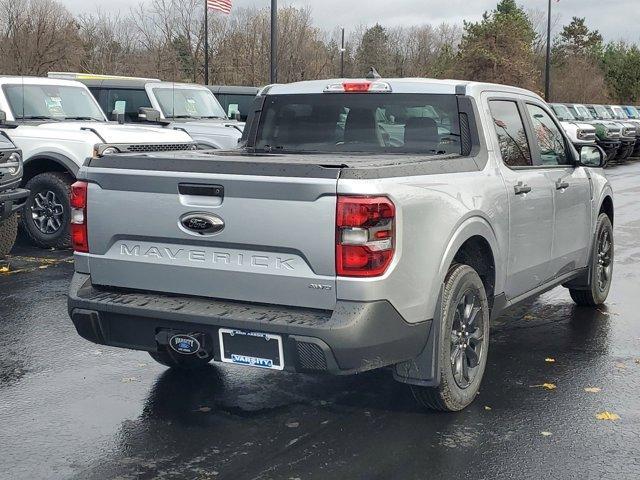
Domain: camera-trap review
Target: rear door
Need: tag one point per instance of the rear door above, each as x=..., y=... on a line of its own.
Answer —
x=571, y=192
x=530, y=200
x=255, y=238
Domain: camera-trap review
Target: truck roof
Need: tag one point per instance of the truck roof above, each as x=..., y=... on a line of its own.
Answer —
x=233, y=89
x=6, y=79
x=401, y=85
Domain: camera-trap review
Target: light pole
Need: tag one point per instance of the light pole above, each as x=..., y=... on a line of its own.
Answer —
x=274, y=41
x=342, y=55
x=547, y=69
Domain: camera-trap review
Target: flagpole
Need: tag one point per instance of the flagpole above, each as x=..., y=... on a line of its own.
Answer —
x=206, y=43
x=274, y=41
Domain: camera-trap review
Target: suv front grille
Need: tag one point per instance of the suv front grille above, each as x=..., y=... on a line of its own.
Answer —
x=158, y=147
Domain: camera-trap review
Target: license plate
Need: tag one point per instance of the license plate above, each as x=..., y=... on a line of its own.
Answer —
x=253, y=349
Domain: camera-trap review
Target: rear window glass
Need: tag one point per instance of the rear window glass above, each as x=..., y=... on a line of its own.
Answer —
x=370, y=123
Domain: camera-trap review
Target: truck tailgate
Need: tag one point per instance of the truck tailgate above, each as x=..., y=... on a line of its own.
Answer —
x=277, y=243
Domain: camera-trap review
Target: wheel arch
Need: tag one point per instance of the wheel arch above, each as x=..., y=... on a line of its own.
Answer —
x=475, y=244
x=48, y=162
x=606, y=206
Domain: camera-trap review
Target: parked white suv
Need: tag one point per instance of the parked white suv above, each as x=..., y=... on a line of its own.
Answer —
x=58, y=125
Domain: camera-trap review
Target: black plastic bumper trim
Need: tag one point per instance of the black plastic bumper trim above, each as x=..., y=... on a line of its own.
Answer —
x=355, y=337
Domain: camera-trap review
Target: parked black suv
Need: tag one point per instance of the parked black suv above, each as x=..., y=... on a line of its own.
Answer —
x=12, y=198
x=235, y=100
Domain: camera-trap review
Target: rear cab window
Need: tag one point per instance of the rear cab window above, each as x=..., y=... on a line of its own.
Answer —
x=351, y=122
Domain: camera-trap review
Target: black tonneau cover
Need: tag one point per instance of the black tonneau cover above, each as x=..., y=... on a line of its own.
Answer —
x=325, y=165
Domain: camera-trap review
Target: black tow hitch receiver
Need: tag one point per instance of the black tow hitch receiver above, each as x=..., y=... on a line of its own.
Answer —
x=184, y=343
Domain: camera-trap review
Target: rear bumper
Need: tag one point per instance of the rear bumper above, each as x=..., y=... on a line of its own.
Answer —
x=355, y=337
x=11, y=201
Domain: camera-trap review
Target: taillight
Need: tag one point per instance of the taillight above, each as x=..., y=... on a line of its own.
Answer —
x=364, y=235
x=78, y=199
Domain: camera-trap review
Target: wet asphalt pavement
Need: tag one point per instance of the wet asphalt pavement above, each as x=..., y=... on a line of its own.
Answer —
x=73, y=410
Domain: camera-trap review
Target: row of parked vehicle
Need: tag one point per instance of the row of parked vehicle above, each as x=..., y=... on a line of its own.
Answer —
x=614, y=128
x=50, y=126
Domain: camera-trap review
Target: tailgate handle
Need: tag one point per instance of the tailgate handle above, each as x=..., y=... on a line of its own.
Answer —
x=201, y=190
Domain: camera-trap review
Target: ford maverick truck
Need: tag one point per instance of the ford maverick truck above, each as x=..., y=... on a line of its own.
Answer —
x=363, y=224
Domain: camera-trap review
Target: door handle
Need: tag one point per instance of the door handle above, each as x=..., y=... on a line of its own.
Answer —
x=521, y=188
x=561, y=184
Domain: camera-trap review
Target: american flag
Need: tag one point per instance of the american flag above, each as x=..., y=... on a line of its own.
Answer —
x=223, y=6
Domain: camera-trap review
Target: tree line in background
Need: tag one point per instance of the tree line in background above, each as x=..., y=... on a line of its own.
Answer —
x=165, y=39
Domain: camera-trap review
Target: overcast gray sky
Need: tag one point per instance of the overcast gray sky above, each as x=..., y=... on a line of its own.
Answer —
x=616, y=19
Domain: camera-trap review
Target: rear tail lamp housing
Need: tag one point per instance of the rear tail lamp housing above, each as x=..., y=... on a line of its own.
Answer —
x=365, y=231
x=78, y=200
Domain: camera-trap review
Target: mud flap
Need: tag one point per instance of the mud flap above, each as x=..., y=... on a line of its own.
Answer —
x=424, y=369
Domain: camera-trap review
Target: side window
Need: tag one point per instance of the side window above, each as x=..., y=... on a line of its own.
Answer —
x=133, y=100
x=553, y=150
x=512, y=137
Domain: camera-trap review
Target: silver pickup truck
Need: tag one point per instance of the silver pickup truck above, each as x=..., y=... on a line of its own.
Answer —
x=364, y=224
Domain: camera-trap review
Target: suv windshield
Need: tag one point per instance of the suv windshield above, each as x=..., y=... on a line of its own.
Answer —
x=562, y=112
x=583, y=112
x=188, y=103
x=619, y=113
x=632, y=112
x=601, y=112
x=51, y=102
x=351, y=122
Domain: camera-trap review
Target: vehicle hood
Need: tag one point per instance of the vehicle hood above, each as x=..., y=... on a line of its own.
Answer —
x=223, y=134
x=581, y=125
x=109, y=132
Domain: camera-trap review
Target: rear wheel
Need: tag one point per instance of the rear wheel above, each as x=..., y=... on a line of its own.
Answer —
x=179, y=361
x=464, y=341
x=47, y=212
x=600, y=268
x=8, y=233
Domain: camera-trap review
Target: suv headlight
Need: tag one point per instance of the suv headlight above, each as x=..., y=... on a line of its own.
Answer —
x=103, y=149
x=14, y=163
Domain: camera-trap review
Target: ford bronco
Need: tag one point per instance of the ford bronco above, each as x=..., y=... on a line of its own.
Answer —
x=364, y=224
x=57, y=124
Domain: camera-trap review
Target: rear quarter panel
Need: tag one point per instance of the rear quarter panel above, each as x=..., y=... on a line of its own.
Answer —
x=435, y=215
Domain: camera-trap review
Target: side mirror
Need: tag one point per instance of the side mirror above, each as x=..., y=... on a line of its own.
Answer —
x=117, y=116
x=237, y=116
x=147, y=114
x=591, y=156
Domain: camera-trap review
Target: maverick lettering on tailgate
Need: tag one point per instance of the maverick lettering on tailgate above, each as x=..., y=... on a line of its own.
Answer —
x=203, y=256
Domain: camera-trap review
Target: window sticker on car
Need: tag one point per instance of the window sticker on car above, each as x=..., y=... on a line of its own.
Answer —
x=191, y=106
x=54, y=105
x=233, y=109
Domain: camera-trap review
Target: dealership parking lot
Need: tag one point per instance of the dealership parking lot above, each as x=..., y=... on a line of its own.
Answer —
x=71, y=409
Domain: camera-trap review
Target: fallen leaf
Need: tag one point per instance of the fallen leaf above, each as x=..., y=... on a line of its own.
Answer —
x=4, y=269
x=546, y=386
x=550, y=360
x=528, y=317
x=292, y=424
x=142, y=365
x=129, y=379
x=620, y=365
x=546, y=434
x=487, y=408
x=592, y=389
x=637, y=360
x=607, y=416
x=204, y=409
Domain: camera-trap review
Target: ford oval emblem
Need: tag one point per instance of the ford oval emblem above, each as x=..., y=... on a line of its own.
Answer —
x=201, y=224
x=185, y=344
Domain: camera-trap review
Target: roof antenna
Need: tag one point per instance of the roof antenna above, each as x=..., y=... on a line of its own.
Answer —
x=373, y=74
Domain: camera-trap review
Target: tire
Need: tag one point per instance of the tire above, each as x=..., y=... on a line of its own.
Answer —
x=600, y=267
x=181, y=362
x=456, y=392
x=8, y=233
x=49, y=198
